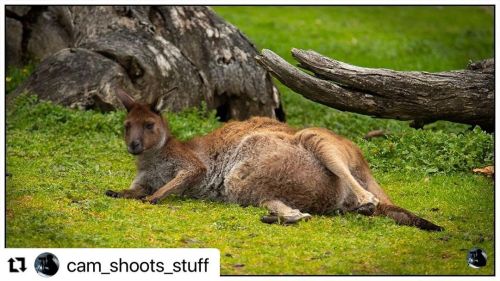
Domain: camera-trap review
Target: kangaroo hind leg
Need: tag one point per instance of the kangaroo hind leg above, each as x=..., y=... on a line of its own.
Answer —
x=336, y=153
x=281, y=213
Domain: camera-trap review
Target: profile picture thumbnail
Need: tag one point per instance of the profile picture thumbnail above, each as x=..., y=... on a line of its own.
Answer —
x=476, y=258
x=46, y=264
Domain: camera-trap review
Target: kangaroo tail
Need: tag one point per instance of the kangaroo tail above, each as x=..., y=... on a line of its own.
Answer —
x=405, y=217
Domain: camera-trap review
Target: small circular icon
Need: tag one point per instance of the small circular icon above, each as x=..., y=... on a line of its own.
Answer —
x=46, y=264
x=476, y=258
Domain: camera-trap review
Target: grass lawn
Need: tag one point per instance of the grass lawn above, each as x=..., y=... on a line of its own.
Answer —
x=62, y=160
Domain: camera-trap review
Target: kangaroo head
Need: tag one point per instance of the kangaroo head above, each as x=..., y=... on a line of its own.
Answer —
x=145, y=129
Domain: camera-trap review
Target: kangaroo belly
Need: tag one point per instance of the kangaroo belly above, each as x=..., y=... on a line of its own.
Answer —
x=274, y=168
x=228, y=146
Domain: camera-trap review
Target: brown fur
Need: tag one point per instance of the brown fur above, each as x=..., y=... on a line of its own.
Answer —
x=259, y=162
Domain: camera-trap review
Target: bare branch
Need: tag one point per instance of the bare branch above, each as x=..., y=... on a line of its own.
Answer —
x=463, y=96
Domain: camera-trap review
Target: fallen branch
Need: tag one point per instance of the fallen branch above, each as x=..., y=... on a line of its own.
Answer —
x=463, y=96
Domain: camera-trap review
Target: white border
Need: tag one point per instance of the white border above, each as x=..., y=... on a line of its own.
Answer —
x=249, y=3
x=252, y=3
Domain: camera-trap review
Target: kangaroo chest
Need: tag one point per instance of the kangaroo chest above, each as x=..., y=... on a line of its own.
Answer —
x=155, y=173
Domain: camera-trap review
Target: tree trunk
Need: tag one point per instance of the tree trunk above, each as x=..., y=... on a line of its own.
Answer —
x=464, y=96
x=88, y=51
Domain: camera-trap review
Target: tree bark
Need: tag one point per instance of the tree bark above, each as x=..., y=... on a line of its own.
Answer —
x=87, y=51
x=463, y=96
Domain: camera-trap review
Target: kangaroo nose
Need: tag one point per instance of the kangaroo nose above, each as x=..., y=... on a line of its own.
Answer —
x=134, y=144
x=135, y=147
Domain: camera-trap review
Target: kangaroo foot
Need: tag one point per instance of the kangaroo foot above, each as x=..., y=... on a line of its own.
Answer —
x=368, y=199
x=290, y=218
x=279, y=212
x=269, y=219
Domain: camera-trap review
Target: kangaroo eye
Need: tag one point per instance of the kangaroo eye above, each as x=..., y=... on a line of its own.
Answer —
x=149, y=126
x=127, y=125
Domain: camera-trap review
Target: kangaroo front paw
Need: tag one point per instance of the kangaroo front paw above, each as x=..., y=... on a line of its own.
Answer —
x=113, y=194
x=151, y=200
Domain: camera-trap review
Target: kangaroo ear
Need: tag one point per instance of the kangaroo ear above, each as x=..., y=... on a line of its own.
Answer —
x=125, y=98
x=158, y=103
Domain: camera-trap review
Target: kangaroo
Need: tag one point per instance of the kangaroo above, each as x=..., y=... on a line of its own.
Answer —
x=260, y=162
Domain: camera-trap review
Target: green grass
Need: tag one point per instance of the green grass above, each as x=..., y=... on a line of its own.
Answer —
x=403, y=38
x=62, y=161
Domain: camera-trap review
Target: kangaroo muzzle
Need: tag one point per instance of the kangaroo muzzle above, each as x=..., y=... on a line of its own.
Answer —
x=135, y=147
